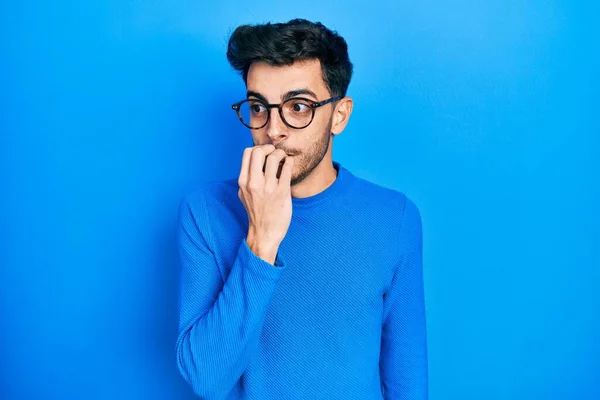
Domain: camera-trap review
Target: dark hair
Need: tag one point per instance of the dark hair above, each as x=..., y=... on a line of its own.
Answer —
x=297, y=40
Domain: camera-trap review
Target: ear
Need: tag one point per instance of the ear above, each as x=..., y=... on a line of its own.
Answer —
x=341, y=115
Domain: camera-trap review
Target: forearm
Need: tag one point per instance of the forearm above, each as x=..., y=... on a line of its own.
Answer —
x=213, y=351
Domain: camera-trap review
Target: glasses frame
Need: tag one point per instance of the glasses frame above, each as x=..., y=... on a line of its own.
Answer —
x=313, y=105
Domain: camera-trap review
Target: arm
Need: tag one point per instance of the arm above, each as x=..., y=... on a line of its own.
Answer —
x=219, y=322
x=403, y=362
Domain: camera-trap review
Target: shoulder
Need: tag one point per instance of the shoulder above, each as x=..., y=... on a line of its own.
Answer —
x=395, y=201
x=199, y=205
x=210, y=193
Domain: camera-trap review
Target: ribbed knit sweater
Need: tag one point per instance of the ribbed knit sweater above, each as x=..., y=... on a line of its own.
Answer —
x=340, y=315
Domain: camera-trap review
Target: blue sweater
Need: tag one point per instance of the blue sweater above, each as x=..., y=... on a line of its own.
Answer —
x=340, y=315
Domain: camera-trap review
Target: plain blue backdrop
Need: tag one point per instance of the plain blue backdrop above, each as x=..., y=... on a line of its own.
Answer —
x=484, y=113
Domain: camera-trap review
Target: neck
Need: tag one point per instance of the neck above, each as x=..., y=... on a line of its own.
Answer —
x=319, y=179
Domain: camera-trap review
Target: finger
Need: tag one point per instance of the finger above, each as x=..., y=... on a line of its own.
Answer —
x=257, y=161
x=286, y=172
x=274, y=161
x=243, y=178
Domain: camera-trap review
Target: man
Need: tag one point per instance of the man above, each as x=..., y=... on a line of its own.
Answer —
x=299, y=280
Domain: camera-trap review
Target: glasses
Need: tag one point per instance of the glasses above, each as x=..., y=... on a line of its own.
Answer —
x=297, y=112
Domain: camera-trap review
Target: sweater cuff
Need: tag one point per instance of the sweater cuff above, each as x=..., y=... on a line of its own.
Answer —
x=260, y=266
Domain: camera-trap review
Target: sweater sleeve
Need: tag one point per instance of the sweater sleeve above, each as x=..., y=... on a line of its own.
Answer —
x=403, y=361
x=219, y=321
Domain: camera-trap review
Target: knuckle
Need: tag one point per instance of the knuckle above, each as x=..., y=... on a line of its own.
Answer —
x=277, y=155
x=267, y=149
x=253, y=185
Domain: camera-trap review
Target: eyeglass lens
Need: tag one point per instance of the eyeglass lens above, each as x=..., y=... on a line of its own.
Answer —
x=296, y=112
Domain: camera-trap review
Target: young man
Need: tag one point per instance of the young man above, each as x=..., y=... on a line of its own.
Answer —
x=299, y=280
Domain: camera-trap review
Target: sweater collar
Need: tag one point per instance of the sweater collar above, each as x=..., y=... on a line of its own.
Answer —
x=331, y=193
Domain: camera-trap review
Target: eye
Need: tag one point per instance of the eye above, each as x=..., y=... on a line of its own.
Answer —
x=257, y=108
x=299, y=106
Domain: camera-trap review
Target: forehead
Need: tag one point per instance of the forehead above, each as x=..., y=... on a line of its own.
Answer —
x=274, y=81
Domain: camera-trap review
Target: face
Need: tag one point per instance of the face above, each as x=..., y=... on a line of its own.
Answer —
x=309, y=145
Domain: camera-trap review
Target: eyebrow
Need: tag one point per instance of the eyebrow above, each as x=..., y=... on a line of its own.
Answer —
x=286, y=96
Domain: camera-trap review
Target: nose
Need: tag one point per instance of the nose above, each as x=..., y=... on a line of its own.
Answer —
x=275, y=128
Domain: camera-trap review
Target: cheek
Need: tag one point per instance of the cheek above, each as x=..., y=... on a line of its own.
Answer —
x=256, y=139
x=322, y=127
x=314, y=133
x=320, y=121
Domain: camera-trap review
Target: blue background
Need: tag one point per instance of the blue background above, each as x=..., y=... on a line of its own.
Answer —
x=484, y=113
